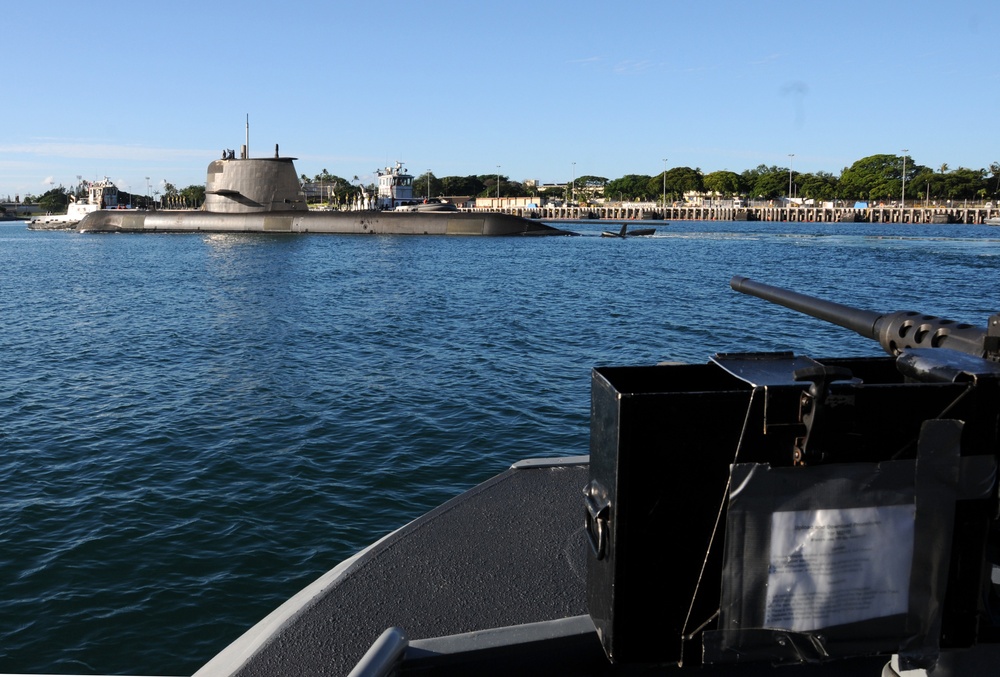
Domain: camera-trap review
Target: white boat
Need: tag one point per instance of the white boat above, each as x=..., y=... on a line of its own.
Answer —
x=432, y=205
x=395, y=187
x=992, y=221
x=100, y=195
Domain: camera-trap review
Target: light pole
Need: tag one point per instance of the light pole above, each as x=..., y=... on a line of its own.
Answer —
x=147, y=192
x=572, y=189
x=791, y=157
x=664, y=183
x=903, y=196
x=428, y=184
x=498, y=185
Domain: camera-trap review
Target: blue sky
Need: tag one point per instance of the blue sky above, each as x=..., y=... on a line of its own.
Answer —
x=546, y=90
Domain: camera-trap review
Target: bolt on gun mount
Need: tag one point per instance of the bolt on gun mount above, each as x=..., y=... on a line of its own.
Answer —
x=898, y=332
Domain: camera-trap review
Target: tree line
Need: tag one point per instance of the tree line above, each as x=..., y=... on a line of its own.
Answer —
x=339, y=189
x=56, y=200
x=873, y=178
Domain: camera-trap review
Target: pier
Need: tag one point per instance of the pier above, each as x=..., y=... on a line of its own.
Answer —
x=965, y=215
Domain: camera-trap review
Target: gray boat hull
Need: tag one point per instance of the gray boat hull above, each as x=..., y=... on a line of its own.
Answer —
x=348, y=223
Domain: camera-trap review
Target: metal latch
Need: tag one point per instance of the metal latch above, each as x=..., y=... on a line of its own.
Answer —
x=822, y=414
x=595, y=498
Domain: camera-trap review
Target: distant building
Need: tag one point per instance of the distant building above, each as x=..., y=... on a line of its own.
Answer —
x=319, y=191
x=505, y=202
x=17, y=207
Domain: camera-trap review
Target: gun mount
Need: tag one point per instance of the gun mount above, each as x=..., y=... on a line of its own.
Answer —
x=859, y=497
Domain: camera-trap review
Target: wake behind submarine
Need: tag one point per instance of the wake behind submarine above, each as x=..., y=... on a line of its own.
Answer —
x=263, y=195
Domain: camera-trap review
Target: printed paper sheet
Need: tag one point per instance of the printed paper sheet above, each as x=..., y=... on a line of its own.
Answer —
x=829, y=567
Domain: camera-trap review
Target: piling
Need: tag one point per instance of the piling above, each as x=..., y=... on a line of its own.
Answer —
x=874, y=214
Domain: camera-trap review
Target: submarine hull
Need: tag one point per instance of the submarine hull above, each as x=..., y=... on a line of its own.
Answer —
x=348, y=223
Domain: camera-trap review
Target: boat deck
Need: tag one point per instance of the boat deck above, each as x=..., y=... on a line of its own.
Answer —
x=510, y=551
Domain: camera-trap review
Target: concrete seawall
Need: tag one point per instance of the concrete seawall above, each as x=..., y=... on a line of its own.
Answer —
x=967, y=215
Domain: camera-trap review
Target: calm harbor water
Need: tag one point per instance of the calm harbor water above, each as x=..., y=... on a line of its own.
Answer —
x=193, y=427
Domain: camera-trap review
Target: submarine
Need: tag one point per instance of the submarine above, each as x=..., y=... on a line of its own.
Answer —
x=263, y=195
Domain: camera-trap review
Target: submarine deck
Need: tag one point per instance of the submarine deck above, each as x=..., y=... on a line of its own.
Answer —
x=344, y=223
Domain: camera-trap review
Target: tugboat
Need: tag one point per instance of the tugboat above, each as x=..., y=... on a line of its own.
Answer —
x=100, y=195
x=833, y=516
x=395, y=188
x=395, y=192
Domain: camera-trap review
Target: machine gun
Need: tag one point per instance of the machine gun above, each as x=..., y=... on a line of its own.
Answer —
x=895, y=332
x=890, y=461
x=927, y=349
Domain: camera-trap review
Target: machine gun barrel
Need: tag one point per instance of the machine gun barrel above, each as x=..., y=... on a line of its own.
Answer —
x=895, y=332
x=860, y=321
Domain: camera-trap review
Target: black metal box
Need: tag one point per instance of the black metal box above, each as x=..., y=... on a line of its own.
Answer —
x=658, y=479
